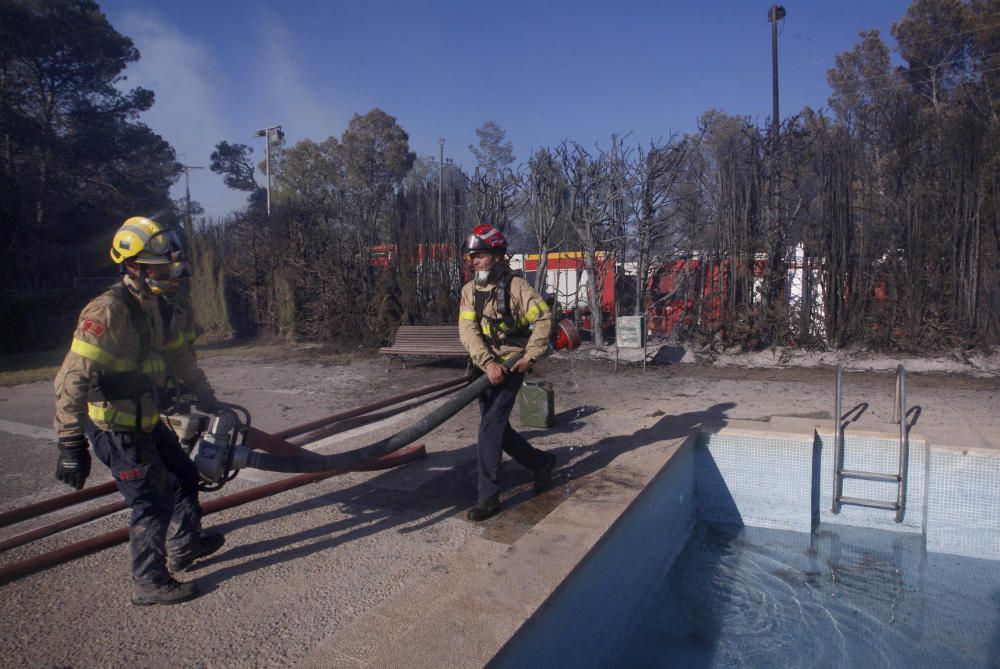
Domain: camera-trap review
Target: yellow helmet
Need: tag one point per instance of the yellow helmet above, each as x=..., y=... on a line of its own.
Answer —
x=144, y=241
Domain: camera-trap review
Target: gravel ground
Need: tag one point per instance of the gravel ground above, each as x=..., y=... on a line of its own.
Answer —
x=299, y=566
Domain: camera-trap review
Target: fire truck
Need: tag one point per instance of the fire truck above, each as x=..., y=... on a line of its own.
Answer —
x=680, y=293
x=569, y=283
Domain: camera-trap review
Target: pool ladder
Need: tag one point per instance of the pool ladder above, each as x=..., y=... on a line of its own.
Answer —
x=899, y=415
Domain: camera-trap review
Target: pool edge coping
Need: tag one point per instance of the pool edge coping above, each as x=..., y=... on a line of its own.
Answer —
x=474, y=603
x=470, y=605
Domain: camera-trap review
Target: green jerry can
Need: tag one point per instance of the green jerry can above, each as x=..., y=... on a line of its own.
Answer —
x=536, y=402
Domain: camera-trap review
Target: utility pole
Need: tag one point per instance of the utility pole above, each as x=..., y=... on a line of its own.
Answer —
x=266, y=134
x=188, y=225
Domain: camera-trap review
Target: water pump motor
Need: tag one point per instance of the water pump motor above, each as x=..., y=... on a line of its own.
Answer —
x=221, y=450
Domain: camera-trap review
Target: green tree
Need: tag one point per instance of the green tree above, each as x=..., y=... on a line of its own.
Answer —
x=934, y=43
x=377, y=157
x=235, y=164
x=495, y=153
x=75, y=162
x=494, y=185
x=545, y=196
x=863, y=85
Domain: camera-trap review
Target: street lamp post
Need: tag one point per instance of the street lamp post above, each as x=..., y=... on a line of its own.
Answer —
x=777, y=250
x=441, y=165
x=266, y=134
x=774, y=14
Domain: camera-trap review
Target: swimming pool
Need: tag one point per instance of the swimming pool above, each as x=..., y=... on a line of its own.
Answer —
x=731, y=557
x=838, y=597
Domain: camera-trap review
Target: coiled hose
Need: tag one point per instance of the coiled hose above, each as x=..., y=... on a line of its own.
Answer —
x=356, y=459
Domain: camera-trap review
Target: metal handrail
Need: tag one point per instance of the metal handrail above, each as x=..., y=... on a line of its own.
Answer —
x=900, y=380
x=838, y=438
x=899, y=416
x=904, y=441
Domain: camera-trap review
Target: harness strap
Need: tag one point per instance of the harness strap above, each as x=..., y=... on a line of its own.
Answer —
x=137, y=318
x=140, y=323
x=491, y=338
x=505, y=324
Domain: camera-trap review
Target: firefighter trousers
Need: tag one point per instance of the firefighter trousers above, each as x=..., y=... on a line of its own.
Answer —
x=160, y=484
x=497, y=437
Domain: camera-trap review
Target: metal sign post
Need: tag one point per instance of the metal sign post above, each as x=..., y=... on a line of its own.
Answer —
x=630, y=332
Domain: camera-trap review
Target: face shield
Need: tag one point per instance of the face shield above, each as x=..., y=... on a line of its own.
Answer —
x=163, y=263
x=166, y=278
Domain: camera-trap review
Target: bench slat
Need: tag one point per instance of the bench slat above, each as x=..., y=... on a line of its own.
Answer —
x=426, y=340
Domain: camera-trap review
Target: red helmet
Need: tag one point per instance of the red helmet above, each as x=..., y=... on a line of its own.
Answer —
x=485, y=238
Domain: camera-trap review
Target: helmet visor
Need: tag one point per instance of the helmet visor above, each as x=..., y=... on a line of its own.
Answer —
x=173, y=265
x=472, y=244
x=163, y=243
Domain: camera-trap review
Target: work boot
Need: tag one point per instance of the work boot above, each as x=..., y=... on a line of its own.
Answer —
x=207, y=544
x=169, y=592
x=543, y=475
x=484, y=509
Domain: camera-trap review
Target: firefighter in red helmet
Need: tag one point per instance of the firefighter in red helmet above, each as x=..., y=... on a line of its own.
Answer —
x=501, y=315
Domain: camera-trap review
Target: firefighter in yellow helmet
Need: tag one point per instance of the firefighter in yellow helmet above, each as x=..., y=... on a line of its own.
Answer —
x=501, y=315
x=109, y=391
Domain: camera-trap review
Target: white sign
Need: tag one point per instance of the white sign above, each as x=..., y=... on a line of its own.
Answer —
x=631, y=331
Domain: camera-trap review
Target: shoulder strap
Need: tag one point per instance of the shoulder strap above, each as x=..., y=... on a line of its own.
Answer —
x=503, y=299
x=492, y=340
x=480, y=298
x=137, y=318
x=166, y=314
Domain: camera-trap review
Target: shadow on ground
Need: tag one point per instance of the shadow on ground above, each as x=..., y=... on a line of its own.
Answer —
x=371, y=509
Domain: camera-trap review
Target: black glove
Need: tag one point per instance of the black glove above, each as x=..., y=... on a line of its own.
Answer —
x=73, y=466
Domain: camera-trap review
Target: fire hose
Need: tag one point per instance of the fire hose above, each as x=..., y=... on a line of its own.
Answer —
x=273, y=443
x=51, y=558
x=270, y=442
x=219, y=457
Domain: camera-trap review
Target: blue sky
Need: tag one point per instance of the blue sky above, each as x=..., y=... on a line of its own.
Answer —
x=545, y=71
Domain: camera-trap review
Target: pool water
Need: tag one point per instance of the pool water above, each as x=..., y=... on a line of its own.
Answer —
x=839, y=597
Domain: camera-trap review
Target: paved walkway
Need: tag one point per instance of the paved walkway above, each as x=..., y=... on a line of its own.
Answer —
x=345, y=571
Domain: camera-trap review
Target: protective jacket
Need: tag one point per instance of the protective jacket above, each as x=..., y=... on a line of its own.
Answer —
x=491, y=333
x=122, y=353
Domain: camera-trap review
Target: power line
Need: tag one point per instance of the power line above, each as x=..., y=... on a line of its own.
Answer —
x=831, y=62
x=896, y=86
x=954, y=34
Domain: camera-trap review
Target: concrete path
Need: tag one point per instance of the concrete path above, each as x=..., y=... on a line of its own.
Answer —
x=342, y=572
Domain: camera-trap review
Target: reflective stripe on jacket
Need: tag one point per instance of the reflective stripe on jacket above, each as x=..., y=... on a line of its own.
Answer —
x=527, y=308
x=107, y=342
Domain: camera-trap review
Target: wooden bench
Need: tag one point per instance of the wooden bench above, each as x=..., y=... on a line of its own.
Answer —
x=429, y=341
